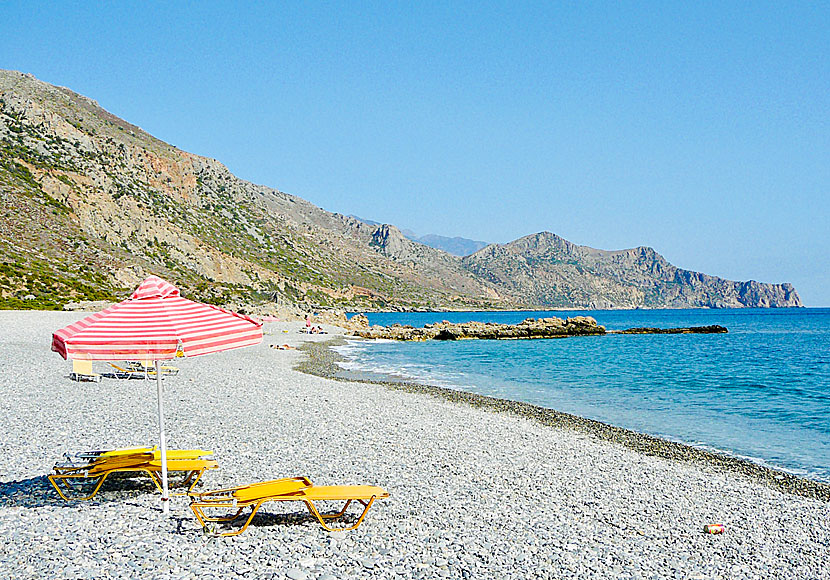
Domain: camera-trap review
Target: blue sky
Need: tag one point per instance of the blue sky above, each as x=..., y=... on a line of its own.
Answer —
x=700, y=129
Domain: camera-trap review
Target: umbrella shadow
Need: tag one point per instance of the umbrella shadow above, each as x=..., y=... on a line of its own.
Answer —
x=38, y=492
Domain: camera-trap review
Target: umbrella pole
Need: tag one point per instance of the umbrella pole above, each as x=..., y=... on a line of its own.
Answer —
x=165, y=496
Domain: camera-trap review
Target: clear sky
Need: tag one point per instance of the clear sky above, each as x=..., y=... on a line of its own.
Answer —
x=697, y=128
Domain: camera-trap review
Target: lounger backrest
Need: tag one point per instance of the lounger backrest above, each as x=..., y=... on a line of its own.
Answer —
x=271, y=489
x=108, y=463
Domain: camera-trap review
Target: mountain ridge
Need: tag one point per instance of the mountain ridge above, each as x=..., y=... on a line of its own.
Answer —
x=560, y=273
x=455, y=245
x=92, y=203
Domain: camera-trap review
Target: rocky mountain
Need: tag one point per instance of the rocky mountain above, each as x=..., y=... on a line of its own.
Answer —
x=452, y=245
x=550, y=270
x=91, y=204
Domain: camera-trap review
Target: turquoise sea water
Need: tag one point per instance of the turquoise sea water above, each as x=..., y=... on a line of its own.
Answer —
x=761, y=392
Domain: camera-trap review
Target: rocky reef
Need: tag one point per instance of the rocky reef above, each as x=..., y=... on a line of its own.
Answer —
x=529, y=328
x=711, y=329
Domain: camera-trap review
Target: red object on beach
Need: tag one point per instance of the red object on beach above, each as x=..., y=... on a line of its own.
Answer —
x=156, y=323
x=714, y=528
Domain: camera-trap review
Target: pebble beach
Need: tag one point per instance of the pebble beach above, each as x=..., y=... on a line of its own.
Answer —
x=476, y=490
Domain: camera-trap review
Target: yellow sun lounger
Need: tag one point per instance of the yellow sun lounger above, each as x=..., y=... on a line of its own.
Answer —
x=122, y=373
x=149, y=367
x=288, y=489
x=86, y=458
x=82, y=482
x=82, y=371
x=96, y=453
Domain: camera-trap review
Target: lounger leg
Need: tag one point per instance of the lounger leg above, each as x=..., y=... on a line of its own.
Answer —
x=254, y=510
x=313, y=509
x=55, y=478
x=154, y=476
x=157, y=480
x=338, y=514
x=195, y=481
x=206, y=520
x=189, y=476
x=198, y=513
x=203, y=517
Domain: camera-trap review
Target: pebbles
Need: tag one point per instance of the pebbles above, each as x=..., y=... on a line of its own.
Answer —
x=475, y=493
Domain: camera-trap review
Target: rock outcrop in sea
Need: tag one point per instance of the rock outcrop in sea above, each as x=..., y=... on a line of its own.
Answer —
x=529, y=328
x=552, y=327
x=710, y=329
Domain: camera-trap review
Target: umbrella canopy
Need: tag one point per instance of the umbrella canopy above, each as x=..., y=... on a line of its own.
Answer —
x=156, y=323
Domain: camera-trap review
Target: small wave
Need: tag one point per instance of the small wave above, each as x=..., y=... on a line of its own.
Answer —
x=404, y=373
x=817, y=474
x=750, y=391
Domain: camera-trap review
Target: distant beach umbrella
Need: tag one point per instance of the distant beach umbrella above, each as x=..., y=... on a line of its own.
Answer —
x=156, y=324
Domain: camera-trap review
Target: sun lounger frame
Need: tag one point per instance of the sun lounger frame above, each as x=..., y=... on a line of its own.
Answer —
x=94, y=474
x=302, y=490
x=122, y=373
x=148, y=367
x=90, y=456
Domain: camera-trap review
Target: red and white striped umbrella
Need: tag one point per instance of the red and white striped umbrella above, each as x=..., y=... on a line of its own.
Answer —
x=156, y=323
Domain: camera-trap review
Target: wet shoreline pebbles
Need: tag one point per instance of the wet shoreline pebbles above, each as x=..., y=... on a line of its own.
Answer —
x=321, y=360
x=474, y=493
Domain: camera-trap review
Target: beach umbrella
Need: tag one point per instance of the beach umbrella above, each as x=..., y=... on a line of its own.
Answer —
x=156, y=324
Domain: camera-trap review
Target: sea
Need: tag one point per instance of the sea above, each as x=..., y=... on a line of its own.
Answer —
x=760, y=392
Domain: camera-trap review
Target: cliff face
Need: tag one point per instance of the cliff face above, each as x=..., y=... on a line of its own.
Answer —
x=550, y=270
x=92, y=204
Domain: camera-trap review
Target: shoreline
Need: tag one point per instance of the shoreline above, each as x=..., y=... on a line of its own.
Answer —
x=575, y=309
x=474, y=493
x=321, y=360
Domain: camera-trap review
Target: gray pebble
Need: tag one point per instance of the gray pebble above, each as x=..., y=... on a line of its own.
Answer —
x=296, y=574
x=475, y=492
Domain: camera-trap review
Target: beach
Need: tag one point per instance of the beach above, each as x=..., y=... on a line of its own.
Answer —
x=476, y=491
